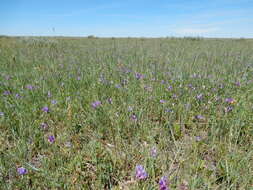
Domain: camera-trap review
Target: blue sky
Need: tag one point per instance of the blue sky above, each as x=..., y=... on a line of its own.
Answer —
x=147, y=18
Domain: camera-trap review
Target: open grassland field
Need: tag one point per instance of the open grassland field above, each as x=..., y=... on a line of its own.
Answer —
x=89, y=113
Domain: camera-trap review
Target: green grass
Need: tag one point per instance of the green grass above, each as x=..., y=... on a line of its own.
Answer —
x=100, y=148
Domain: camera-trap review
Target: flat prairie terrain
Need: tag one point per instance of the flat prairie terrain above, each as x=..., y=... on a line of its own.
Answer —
x=97, y=113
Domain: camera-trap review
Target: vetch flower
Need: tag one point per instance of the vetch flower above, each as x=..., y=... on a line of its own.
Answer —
x=140, y=173
x=51, y=139
x=162, y=101
x=169, y=88
x=22, y=171
x=134, y=117
x=163, y=183
x=18, y=96
x=139, y=76
x=6, y=93
x=238, y=84
x=230, y=100
x=199, y=96
x=45, y=109
x=96, y=104
x=198, y=138
x=1, y=113
x=200, y=117
x=30, y=87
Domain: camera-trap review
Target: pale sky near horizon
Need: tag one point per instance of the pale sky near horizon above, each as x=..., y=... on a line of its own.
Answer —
x=134, y=18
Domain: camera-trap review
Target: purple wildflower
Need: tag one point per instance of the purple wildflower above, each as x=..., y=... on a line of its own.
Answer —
x=198, y=138
x=163, y=183
x=230, y=100
x=96, y=104
x=199, y=96
x=30, y=87
x=140, y=173
x=238, y=84
x=162, y=101
x=1, y=113
x=134, y=117
x=200, y=117
x=169, y=88
x=6, y=93
x=22, y=171
x=190, y=86
x=139, y=76
x=45, y=109
x=153, y=152
x=18, y=96
x=51, y=139
x=78, y=78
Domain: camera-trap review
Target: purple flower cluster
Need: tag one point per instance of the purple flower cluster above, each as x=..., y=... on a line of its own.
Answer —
x=22, y=171
x=139, y=76
x=199, y=96
x=51, y=138
x=230, y=100
x=163, y=183
x=45, y=109
x=134, y=117
x=200, y=117
x=7, y=92
x=140, y=173
x=162, y=101
x=18, y=96
x=169, y=88
x=30, y=87
x=96, y=104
